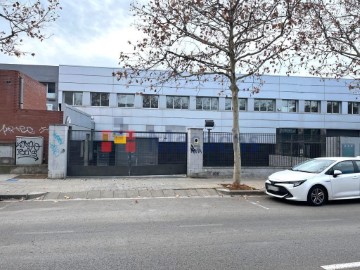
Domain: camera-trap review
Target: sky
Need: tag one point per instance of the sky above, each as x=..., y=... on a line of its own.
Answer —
x=87, y=33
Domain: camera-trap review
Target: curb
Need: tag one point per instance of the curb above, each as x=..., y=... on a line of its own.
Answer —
x=28, y=196
x=226, y=191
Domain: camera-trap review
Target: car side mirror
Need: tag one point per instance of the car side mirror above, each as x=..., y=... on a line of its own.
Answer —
x=336, y=173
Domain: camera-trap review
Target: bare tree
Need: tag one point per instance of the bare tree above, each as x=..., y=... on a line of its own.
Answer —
x=228, y=40
x=18, y=19
x=332, y=38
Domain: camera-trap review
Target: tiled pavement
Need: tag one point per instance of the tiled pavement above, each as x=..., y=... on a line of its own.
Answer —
x=41, y=188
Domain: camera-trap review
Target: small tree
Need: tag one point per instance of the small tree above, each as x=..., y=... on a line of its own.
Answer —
x=18, y=19
x=332, y=37
x=229, y=40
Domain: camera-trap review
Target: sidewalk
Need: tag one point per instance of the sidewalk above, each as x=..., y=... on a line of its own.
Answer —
x=40, y=188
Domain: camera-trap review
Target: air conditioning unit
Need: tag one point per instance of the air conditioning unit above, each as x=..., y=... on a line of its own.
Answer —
x=49, y=107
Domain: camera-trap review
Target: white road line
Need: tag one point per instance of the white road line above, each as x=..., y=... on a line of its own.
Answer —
x=50, y=232
x=259, y=205
x=200, y=225
x=341, y=266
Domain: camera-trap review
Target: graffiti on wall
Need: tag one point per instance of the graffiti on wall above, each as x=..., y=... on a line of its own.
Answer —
x=55, y=145
x=28, y=149
x=195, y=150
x=26, y=130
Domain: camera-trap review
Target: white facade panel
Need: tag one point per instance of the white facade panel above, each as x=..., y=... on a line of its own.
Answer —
x=278, y=88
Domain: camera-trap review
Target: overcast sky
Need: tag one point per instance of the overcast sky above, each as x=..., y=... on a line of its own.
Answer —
x=90, y=33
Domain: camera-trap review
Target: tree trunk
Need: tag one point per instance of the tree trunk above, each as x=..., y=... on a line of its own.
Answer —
x=236, y=134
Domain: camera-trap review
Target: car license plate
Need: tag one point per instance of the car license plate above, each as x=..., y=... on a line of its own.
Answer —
x=273, y=188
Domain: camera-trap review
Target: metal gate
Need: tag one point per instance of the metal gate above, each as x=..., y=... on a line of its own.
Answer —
x=110, y=153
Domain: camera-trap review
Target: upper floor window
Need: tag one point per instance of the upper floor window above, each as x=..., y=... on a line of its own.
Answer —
x=289, y=105
x=125, y=100
x=100, y=99
x=333, y=107
x=312, y=106
x=177, y=102
x=207, y=103
x=73, y=98
x=50, y=90
x=264, y=105
x=229, y=107
x=150, y=101
x=353, y=107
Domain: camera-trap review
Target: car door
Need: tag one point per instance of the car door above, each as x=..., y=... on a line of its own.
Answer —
x=346, y=184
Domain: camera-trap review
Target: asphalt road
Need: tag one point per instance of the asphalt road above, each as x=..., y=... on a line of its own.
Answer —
x=182, y=233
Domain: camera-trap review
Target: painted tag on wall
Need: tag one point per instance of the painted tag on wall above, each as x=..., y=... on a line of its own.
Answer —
x=29, y=150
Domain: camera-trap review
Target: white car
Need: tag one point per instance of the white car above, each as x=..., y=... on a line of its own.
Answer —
x=317, y=180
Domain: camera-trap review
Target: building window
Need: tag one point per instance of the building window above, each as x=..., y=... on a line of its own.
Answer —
x=100, y=99
x=50, y=90
x=333, y=107
x=72, y=98
x=150, y=101
x=312, y=106
x=353, y=107
x=207, y=103
x=264, y=105
x=229, y=107
x=126, y=100
x=289, y=105
x=177, y=102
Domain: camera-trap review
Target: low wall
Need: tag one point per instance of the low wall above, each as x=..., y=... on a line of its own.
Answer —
x=25, y=169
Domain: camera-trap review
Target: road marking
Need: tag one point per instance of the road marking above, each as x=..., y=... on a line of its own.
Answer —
x=259, y=205
x=50, y=232
x=341, y=266
x=200, y=225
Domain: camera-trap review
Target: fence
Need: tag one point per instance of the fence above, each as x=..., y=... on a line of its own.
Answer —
x=130, y=153
x=263, y=149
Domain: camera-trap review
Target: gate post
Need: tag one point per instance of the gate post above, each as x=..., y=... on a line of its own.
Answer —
x=58, y=148
x=195, y=148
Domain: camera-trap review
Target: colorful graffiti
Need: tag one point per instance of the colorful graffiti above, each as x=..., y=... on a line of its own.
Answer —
x=54, y=146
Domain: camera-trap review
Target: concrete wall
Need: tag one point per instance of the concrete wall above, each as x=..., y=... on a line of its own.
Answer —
x=58, y=151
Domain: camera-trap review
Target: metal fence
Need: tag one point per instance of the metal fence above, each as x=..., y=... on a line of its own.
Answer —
x=130, y=153
x=263, y=149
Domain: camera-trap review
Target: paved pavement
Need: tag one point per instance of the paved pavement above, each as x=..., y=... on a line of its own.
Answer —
x=38, y=187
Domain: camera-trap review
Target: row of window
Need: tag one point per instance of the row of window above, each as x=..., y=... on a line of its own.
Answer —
x=208, y=103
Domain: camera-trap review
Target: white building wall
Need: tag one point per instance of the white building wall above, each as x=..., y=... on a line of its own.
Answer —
x=97, y=79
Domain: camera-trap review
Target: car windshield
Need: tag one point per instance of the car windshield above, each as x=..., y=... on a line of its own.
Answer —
x=313, y=165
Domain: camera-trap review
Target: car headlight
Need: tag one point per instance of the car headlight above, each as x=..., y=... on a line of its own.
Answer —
x=295, y=183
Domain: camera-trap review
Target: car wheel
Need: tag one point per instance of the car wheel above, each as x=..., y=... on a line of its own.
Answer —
x=317, y=196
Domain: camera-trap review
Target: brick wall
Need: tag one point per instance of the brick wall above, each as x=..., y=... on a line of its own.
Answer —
x=33, y=120
x=9, y=91
x=34, y=93
x=29, y=123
